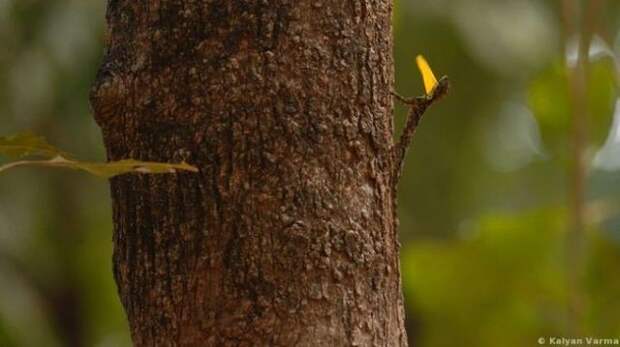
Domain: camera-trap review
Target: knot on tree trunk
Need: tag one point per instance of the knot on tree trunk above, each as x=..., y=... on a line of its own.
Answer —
x=109, y=94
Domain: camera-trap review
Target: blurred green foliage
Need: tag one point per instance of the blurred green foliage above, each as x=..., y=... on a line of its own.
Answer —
x=548, y=96
x=501, y=281
x=485, y=206
x=483, y=202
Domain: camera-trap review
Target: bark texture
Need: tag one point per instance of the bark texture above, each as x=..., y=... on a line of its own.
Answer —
x=286, y=236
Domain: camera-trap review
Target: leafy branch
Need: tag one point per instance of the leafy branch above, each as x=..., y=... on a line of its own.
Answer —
x=28, y=149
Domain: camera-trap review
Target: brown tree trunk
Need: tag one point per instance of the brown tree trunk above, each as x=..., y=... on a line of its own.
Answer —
x=286, y=236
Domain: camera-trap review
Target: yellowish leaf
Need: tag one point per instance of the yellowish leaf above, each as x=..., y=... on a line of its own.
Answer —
x=105, y=170
x=430, y=82
x=29, y=145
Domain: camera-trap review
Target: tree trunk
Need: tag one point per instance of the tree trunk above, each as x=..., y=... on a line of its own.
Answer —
x=286, y=236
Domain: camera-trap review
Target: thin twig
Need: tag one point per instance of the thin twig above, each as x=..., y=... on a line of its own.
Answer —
x=576, y=256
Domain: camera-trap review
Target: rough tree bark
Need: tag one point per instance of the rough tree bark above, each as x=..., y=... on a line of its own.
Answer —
x=286, y=236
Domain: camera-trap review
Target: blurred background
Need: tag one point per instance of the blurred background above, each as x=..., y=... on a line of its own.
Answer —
x=509, y=205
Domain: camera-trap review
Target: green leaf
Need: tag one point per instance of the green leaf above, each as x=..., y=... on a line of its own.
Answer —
x=105, y=170
x=29, y=145
x=550, y=100
x=601, y=99
x=548, y=97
